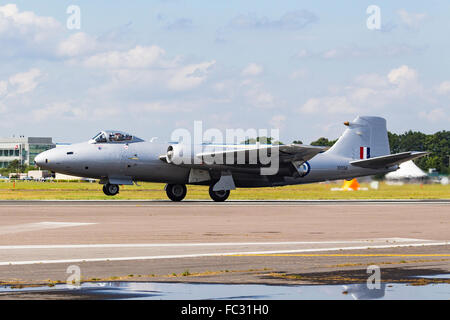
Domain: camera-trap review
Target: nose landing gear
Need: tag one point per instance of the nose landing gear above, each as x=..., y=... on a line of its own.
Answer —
x=110, y=189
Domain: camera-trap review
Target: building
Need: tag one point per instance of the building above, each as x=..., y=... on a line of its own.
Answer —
x=24, y=149
x=39, y=174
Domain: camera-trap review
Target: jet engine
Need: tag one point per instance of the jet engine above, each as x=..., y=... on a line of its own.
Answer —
x=179, y=154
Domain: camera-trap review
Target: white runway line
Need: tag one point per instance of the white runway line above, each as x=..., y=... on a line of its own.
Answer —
x=28, y=227
x=205, y=244
x=415, y=243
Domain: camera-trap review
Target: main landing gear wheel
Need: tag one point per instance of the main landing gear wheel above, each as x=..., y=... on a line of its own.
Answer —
x=218, y=196
x=110, y=189
x=176, y=192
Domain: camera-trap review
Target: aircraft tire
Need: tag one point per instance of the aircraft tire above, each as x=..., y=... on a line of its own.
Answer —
x=110, y=189
x=176, y=192
x=105, y=191
x=218, y=196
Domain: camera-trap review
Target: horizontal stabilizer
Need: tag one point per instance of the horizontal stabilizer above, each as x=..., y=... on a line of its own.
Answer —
x=388, y=160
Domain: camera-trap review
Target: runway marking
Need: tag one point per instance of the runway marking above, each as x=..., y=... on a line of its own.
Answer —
x=29, y=227
x=198, y=255
x=204, y=244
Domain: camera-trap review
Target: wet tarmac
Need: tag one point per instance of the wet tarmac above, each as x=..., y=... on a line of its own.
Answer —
x=190, y=291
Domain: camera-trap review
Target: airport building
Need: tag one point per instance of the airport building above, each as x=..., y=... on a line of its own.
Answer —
x=24, y=149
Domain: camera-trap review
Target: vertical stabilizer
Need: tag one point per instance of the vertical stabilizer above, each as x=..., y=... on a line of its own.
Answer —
x=366, y=137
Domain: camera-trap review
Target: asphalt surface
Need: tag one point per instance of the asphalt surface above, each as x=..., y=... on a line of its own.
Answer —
x=234, y=242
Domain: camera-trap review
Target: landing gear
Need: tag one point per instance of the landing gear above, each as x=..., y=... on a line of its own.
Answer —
x=218, y=196
x=176, y=192
x=110, y=189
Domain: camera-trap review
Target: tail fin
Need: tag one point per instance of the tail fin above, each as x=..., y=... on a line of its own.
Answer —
x=366, y=137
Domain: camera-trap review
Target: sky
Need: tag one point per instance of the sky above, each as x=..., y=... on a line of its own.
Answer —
x=150, y=67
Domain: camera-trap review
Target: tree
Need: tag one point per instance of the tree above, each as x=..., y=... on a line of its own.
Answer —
x=263, y=140
x=323, y=142
x=297, y=142
x=438, y=144
x=15, y=166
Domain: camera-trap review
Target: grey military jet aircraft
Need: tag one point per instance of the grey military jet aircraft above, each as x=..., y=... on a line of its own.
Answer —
x=118, y=158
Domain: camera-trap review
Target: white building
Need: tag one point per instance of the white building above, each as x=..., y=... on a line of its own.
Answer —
x=23, y=149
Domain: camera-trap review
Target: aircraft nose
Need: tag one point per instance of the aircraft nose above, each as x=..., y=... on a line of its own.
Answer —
x=41, y=159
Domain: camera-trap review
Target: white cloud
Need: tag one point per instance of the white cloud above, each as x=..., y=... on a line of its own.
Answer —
x=20, y=83
x=252, y=69
x=11, y=20
x=369, y=92
x=299, y=74
x=138, y=57
x=444, y=88
x=435, y=115
x=372, y=80
x=355, y=51
x=59, y=110
x=77, y=44
x=3, y=88
x=402, y=75
x=256, y=95
x=277, y=121
x=190, y=76
x=411, y=20
x=334, y=105
x=25, y=30
x=24, y=82
x=303, y=53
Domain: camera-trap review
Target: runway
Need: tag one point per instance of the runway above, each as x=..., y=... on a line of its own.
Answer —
x=238, y=242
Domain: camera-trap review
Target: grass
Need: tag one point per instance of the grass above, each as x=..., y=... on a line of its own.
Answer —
x=30, y=190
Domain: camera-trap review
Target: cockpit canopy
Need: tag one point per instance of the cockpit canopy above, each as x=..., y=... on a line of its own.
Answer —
x=114, y=136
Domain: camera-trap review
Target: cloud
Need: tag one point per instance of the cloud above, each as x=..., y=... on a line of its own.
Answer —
x=256, y=95
x=355, y=51
x=293, y=20
x=334, y=105
x=435, y=115
x=13, y=22
x=403, y=75
x=144, y=71
x=25, y=33
x=3, y=88
x=190, y=76
x=370, y=92
x=180, y=24
x=138, y=57
x=277, y=121
x=299, y=74
x=443, y=88
x=20, y=83
x=252, y=69
x=60, y=110
x=411, y=20
x=77, y=44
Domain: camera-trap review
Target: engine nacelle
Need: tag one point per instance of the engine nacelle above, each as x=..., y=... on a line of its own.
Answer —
x=179, y=154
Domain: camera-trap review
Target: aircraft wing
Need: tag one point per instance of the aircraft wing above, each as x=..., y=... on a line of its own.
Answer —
x=250, y=154
x=287, y=153
x=388, y=160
